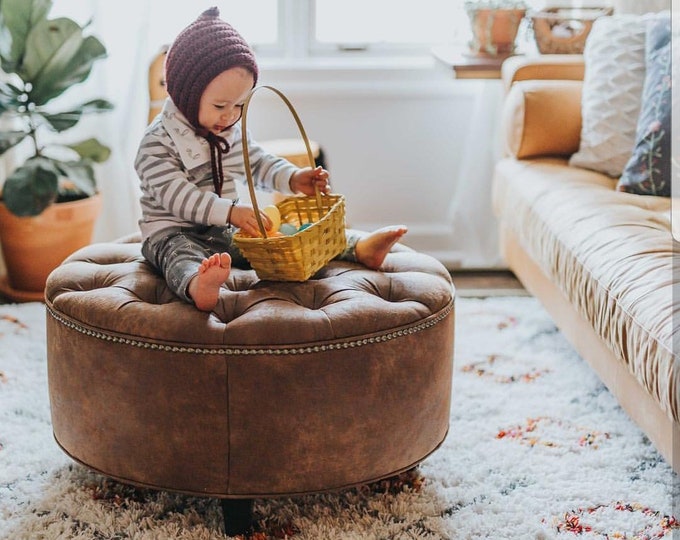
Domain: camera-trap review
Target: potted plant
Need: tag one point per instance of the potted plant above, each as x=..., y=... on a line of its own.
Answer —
x=494, y=26
x=49, y=200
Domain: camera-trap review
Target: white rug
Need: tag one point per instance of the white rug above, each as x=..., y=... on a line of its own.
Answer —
x=537, y=449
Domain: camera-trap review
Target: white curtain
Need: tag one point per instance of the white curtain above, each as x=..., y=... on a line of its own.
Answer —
x=471, y=210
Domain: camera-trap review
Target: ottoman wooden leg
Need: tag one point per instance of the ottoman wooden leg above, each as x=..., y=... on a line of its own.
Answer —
x=238, y=516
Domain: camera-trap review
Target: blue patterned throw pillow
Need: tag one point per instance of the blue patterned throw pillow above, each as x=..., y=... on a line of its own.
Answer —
x=648, y=171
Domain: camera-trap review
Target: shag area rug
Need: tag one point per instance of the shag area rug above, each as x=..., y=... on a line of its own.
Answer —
x=537, y=449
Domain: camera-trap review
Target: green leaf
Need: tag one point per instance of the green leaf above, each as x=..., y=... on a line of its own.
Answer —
x=80, y=66
x=9, y=139
x=31, y=188
x=6, y=62
x=78, y=177
x=50, y=45
x=65, y=120
x=9, y=97
x=57, y=57
x=17, y=17
x=92, y=149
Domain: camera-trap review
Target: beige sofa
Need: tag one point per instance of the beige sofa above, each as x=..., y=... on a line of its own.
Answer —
x=600, y=261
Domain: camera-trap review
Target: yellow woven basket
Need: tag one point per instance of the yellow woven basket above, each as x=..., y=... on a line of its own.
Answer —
x=301, y=255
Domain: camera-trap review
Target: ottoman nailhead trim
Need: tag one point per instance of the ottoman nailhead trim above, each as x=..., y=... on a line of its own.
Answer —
x=250, y=350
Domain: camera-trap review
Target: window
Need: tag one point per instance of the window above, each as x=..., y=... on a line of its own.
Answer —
x=256, y=20
x=300, y=29
x=305, y=28
x=312, y=28
x=385, y=24
x=358, y=27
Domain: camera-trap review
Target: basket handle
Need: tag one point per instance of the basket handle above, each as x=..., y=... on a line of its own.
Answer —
x=246, y=157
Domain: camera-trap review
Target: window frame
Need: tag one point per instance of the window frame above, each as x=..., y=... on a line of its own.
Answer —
x=296, y=39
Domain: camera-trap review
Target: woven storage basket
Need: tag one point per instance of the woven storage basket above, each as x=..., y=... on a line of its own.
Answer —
x=301, y=255
x=564, y=30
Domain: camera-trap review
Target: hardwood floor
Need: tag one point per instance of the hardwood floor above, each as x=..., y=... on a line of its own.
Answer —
x=487, y=283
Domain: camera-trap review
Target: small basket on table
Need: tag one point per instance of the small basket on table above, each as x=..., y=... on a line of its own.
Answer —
x=563, y=30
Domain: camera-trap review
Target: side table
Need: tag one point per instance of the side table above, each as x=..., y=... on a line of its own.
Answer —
x=468, y=66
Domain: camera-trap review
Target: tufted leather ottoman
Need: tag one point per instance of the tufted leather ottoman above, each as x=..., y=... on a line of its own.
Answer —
x=284, y=389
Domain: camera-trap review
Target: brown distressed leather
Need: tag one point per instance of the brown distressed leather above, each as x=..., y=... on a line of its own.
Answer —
x=286, y=388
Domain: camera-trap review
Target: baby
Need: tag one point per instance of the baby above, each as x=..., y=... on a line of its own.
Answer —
x=191, y=155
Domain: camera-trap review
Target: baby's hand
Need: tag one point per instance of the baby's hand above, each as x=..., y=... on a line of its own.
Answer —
x=304, y=181
x=243, y=217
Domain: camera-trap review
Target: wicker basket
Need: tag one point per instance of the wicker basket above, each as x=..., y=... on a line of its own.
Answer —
x=564, y=30
x=301, y=255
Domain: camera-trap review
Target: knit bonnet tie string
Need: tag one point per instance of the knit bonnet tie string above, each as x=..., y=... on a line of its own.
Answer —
x=218, y=147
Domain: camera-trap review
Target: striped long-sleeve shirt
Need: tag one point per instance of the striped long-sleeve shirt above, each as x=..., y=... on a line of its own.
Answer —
x=173, y=165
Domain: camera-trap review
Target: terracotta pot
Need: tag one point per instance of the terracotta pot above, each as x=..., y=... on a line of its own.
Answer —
x=34, y=246
x=494, y=31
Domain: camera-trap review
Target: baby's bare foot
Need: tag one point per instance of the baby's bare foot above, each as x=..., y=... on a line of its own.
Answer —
x=372, y=250
x=204, y=288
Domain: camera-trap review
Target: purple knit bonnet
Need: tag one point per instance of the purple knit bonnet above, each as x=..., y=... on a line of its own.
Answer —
x=203, y=50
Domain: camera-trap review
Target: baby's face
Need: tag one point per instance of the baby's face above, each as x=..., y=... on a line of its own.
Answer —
x=222, y=101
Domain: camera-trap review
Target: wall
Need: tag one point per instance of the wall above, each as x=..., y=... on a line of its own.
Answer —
x=409, y=146
x=404, y=145
x=640, y=6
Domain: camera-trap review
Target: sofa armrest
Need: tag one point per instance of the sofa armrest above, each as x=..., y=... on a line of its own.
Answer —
x=544, y=67
x=542, y=118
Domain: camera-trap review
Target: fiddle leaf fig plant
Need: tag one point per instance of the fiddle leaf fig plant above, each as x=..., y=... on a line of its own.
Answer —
x=41, y=59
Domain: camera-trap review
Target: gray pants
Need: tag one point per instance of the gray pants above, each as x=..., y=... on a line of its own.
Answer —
x=177, y=253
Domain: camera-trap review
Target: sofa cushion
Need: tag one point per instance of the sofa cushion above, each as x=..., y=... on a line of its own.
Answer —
x=612, y=87
x=648, y=171
x=611, y=254
x=542, y=118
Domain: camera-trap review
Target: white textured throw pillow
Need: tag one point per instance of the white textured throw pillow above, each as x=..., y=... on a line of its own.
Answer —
x=614, y=57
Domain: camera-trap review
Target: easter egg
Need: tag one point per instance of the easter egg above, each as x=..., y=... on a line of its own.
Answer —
x=305, y=226
x=288, y=229
x=272, y=212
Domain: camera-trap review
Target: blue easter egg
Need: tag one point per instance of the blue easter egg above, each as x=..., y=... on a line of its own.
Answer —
x=305, y=226
x=288, y=229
